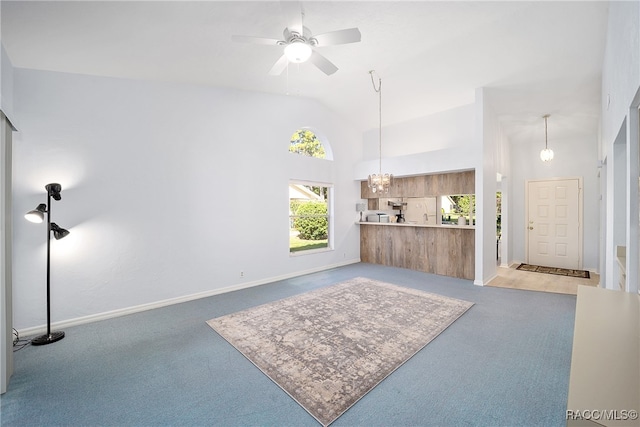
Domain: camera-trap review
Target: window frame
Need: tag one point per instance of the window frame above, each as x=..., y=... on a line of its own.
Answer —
x=329, y=216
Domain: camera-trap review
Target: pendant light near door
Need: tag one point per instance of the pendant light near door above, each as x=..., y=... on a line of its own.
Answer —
x=379, y=183
x=546, y=155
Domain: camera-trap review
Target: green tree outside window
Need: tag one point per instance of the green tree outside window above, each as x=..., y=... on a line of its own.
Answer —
x=305, y=142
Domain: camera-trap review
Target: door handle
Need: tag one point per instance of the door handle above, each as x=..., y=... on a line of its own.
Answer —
x=530, y=228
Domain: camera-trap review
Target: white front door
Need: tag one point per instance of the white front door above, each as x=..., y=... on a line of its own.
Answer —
x=554, y=230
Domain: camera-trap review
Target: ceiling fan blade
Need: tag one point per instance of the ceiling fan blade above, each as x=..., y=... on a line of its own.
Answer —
x=279, y=66
x=292, y=11
x=351, y=35
x=323, y=63
x=255, y=40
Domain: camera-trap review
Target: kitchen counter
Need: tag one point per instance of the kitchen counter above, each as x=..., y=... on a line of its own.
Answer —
x=407, y=224
x=448, y=250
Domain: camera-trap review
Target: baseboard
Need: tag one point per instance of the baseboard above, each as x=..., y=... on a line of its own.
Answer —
x=36, y=330
x=484, y=282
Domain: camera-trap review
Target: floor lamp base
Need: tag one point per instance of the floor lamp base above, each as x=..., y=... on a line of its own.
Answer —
x=48, y=338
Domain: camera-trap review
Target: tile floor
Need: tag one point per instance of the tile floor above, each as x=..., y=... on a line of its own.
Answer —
x=509, y=277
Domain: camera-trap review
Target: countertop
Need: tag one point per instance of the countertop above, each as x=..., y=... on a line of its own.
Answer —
x=406, y=224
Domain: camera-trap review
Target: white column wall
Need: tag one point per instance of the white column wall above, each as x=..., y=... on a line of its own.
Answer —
x=632, y=243
x=504, y=169
x=621, y=68
x=6, y=275
x=6, y=86
x=6, y=254
x=488, y=137
x=620, y=88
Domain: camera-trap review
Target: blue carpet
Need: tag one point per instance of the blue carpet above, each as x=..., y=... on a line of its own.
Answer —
x=504, y=363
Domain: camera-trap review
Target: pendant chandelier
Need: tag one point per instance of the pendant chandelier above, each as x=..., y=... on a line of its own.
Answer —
x=546, y=155
x=379, y=183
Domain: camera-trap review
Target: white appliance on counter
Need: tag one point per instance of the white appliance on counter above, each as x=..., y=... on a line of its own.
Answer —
x=378, y=217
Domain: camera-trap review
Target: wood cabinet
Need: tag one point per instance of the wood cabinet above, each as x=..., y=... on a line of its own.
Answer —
x=444, y=250
x=426, y=185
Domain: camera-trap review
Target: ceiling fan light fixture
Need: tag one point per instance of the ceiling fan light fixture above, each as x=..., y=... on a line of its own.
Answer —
x=299, y=43
x=298, y=52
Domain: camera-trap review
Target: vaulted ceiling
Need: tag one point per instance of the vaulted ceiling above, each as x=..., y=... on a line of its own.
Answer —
x=537, y=57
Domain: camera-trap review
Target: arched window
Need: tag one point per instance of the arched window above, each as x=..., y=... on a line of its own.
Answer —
x=306, y=143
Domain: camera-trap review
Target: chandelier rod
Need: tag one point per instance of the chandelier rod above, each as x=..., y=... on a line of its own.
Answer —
x=379, y=91
x=546, y=116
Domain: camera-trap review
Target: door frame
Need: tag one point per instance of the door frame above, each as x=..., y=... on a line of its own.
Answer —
x=580, y=214
x=6, y=247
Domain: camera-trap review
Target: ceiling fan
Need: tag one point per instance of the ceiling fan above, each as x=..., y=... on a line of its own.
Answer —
x=300, y=43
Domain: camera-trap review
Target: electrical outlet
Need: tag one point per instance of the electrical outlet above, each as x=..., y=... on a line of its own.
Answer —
x=242, y=274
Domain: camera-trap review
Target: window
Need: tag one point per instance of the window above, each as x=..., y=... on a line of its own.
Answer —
x=306, y=143
x=309, y=217
x=458, y=208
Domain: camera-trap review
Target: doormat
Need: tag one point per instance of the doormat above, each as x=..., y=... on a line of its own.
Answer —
x=327, y=348
x=554, y=270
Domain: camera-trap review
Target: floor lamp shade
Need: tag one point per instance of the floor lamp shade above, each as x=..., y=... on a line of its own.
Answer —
x=37, y=216
x=58, y=232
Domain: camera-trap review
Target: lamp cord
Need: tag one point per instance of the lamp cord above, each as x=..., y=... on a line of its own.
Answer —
x=19, y=343
x=379, y=91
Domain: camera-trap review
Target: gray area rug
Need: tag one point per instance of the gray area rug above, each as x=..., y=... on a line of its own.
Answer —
x=327, y=348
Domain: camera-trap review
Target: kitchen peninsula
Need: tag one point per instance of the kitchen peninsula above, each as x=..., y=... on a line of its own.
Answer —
x=430, y=247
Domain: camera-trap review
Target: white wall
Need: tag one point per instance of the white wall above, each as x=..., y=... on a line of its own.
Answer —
x=169, y=191
x=435, y=143
x=619, y=138
x=574, y=157
x=421, y=163
x=436, y=132
x=6, y=255
x=489, y=137
x=6, y=222
x=6, y=85
x=621, y=68
x=505, y=186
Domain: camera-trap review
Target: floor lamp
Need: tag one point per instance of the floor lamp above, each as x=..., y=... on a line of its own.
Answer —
x=37, y=216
